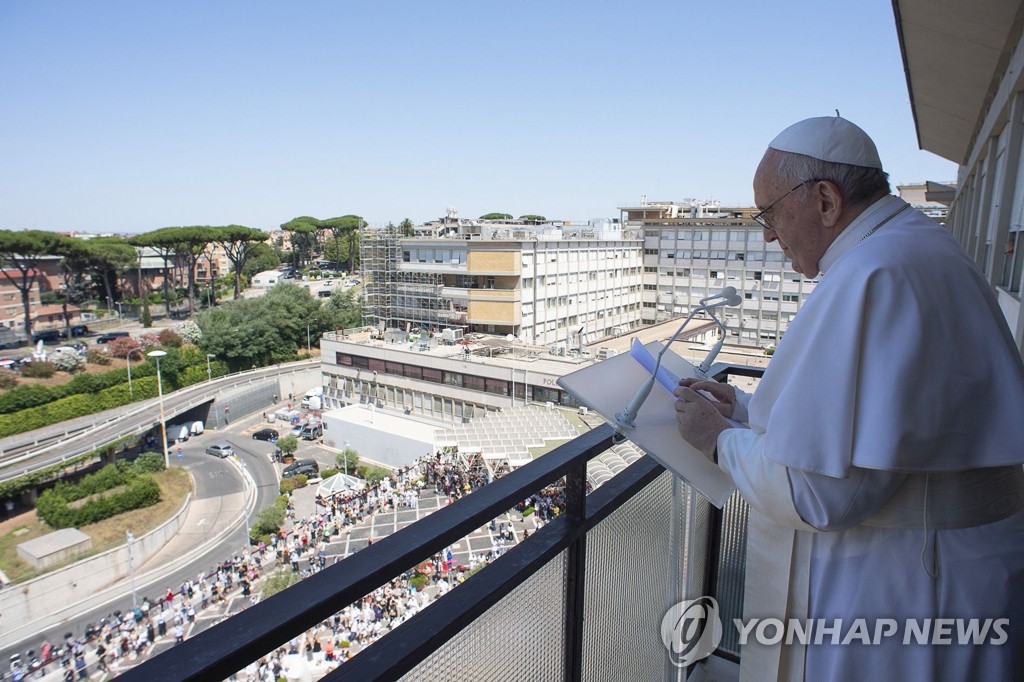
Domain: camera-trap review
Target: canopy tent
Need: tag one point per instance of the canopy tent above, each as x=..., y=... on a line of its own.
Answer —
x=339, y=483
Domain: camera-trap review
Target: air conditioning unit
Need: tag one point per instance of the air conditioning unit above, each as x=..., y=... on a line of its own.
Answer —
x=583, y=411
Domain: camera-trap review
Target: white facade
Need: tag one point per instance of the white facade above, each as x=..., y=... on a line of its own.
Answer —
x=692, y=252
x=267, y=278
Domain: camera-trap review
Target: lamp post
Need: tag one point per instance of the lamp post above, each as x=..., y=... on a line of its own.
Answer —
x=307, y=335
x=209, y=370
x=120, y=311
x=160, y=389
x=131, y=567
x=346, y=462
x=128, y=357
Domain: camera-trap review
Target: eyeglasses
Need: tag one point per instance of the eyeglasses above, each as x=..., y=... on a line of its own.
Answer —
x=759, y=217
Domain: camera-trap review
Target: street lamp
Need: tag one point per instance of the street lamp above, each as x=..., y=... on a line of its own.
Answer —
x=120, y=311
x=131, y=567
x=160, y=388
x=128, y=357
x=346, y=462
x=209, y=371
x=307, y=336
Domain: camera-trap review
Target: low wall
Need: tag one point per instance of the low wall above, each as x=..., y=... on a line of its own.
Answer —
x=49, y=599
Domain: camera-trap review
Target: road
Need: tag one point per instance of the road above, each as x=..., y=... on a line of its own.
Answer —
x=215, y=479
x=28, y=452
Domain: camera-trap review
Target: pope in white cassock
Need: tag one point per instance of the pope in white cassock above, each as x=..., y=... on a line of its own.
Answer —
x=883, y=459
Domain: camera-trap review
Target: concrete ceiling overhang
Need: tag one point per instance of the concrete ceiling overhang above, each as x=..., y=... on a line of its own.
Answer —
x=954, y=53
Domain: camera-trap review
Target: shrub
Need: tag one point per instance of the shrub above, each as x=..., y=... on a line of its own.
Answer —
x=189, y=332
x=121, y=346
x=52, y=506
x=148, y=463
x=269, y=522
x=279, y=580
x=97, y=357
x=67, y=360
x=8, y=379
x=149, y=341
x=170, y=338
x=327, y=473
x=372, y=475
x=300, y=480
x=38, y=370
x=147, y=317
x=287, y=486
x=418, y=581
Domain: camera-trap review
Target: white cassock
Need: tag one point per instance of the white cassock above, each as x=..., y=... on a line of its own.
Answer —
x=897, y=386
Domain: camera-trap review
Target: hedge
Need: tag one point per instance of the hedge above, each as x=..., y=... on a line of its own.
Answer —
x=76, y=406
x=53, y=509
x=96, y=400
x=17, y=486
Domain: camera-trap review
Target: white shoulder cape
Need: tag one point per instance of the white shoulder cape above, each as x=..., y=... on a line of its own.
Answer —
x=899, y=360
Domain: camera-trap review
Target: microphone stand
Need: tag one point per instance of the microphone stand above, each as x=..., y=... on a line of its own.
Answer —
x=626, y=419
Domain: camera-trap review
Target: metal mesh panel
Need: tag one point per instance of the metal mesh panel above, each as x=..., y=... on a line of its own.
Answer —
x=732, y=558
x=519, y=638
x=629, y=586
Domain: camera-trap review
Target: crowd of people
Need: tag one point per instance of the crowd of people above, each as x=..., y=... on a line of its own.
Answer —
x=304, y=545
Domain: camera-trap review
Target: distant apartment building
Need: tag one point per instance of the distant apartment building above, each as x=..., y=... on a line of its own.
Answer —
x=695, y=248
x=12, y=313
x=557, y=285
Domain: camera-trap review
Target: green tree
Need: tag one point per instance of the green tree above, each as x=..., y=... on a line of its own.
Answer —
x=303, y=236
x=288, y=445
x=341, y=311
x=75, y=260
x=22, y=253
x=147, y=317
x=239, y=244
x=532, y=218
x=262, y=257
x=348, y=461
x=406, y=228
x=109, y=258
x=496, y=216
x=165, y=249
x=347, y=226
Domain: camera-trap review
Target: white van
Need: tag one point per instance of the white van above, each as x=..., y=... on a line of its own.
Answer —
x=313, y=398
x=178, y=433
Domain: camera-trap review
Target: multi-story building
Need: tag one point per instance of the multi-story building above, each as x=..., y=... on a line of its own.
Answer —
x=693, y=249
x=548, y=285
x=968, y=106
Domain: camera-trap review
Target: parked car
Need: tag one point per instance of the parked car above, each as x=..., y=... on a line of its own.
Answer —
x=297, y=429
x=110, y=336
x=46, y=336
x=312, y=432
x=221, y=450
x=265, y=434
x=76, y=330
x=306, y=467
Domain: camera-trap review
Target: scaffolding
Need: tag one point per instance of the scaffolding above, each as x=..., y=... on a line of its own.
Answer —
x=395, y=298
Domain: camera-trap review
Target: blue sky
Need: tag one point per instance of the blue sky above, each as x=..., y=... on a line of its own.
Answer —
x=129, y=116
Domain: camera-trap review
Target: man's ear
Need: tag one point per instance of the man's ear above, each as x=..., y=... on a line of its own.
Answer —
x=829, y=201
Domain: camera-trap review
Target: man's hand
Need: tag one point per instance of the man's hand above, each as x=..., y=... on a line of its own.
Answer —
x=724, y=395
x=700, y=420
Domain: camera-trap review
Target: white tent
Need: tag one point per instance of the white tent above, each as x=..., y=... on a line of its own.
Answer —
x=339, y=483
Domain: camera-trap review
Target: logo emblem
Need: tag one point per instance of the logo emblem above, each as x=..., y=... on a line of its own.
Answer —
x=691, y=630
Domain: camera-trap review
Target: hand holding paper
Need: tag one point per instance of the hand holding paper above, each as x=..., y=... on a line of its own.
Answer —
x=700, y=421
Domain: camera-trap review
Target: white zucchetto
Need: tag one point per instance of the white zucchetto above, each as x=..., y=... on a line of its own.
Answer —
x=829, y=138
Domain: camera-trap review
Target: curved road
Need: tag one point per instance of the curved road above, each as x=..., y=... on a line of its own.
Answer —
x=215, y=480
x=27, y=452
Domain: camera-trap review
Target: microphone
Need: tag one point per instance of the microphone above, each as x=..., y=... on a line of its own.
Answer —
x=727, y=296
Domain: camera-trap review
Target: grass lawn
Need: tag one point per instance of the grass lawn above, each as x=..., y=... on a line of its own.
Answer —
x=174, y=483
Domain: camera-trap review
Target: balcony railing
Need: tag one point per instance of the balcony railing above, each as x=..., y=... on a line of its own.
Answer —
x=582, y=598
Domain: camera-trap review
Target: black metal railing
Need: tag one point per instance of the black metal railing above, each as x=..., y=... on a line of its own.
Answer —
x=257, y=631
